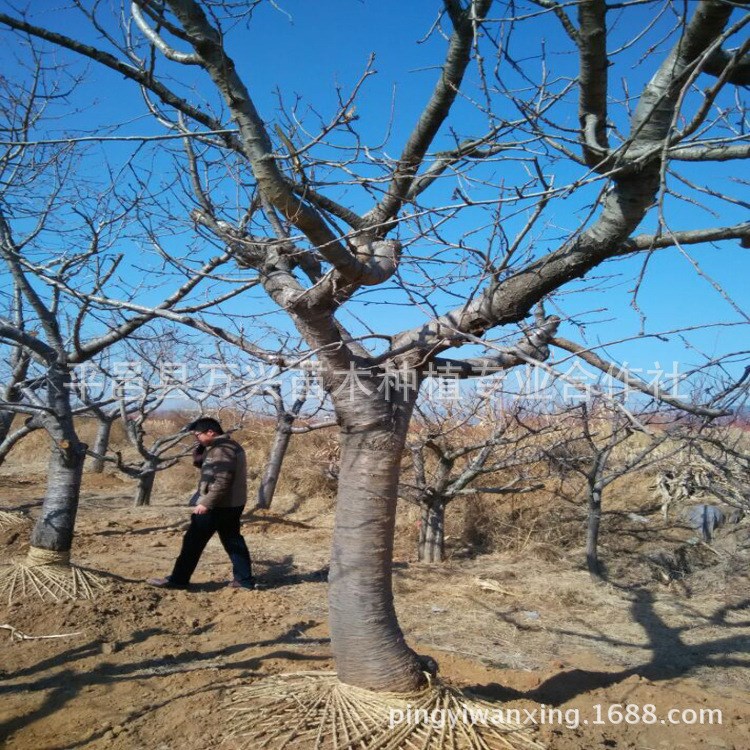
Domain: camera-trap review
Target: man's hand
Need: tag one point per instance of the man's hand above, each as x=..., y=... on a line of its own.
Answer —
x=200, y=509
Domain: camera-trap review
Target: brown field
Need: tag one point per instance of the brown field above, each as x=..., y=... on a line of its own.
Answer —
x=512, y=614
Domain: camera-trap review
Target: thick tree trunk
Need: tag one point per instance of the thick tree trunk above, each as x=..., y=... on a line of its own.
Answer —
x=592, y=532
x=54, y=528
x=431, y=547
x=100, y=445
x=145, y=488
x=368, y=646
x=275, y=460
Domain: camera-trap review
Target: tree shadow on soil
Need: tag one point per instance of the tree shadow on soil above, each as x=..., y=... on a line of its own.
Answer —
x=67, y=683
x=27, y=506
x=263, y=519
x=285, y=573
x=276, y=573
x=127, y=530
x=670, y=658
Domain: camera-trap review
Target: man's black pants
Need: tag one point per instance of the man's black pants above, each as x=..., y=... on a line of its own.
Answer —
x=225, y=521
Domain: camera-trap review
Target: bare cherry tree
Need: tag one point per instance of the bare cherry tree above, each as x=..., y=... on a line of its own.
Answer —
x=486, y=445
x=600, y=431
x=154, y=455
x=287, y=424
x=58, y=233
x=136, y=402
x=462, y=213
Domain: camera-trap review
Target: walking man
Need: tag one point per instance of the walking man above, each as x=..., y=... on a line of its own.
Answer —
x=220, y=500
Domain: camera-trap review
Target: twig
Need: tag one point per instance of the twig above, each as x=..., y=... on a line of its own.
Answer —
x=16, y=634
x=486, y=583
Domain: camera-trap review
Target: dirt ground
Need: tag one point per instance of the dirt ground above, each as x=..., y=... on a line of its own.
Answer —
x=145, y=669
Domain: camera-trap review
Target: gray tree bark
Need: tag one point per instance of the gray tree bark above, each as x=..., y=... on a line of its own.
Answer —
x=367, y=642
x=101, y=443
x=431, y=548
x=592, y=531
x=145, y=487
x=54, y=528
x=276, y=456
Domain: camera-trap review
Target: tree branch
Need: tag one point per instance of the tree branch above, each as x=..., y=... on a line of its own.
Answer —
x=435, y=112
x=532, y=344
x=10, y=332
x=142, y=77
x=184, y=58
x=207, y=43
x=690, y=237
x=634, y=382
x=719, y=60
x=592, y=79
x=709, y=152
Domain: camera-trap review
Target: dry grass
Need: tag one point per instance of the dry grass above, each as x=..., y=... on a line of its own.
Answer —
x=531, y=523
x=12, y=519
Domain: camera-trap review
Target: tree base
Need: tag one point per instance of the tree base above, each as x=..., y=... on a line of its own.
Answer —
x=50, y=581
x=314, y=711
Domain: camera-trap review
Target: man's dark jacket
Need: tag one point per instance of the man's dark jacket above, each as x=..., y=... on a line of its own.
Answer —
x=223, y=480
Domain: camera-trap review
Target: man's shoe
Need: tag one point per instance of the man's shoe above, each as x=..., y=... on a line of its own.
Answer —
x=166, y=583
x=247, y=586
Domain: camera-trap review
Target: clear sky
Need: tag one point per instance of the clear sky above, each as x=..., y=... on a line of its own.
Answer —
x=300, y=53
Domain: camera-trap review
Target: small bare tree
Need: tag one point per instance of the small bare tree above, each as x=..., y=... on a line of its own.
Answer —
x=153, y=454
x=483, y=447
x=287, y=419
x=602, y=430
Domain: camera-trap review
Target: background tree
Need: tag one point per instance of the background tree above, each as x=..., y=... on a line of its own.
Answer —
x=58, y=239
x=601, y=431
x=285, y=427
x=139, y=400
x=330, y=213
x=105, y=420
x=454, y=448
x=17, y=362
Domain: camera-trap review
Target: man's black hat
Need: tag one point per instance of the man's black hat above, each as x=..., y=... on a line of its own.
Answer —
x=203, y=424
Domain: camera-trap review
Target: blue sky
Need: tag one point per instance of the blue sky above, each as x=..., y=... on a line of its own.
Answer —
x=305, y=50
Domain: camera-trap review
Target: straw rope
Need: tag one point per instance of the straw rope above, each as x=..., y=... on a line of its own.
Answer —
x=49, y=575
x=9, y=519
x=39, y=556
x=314, y=711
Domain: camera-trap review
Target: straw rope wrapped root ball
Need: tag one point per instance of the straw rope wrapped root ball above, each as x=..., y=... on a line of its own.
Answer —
x=49, y=575
x=314, y=711
x=9, y=519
